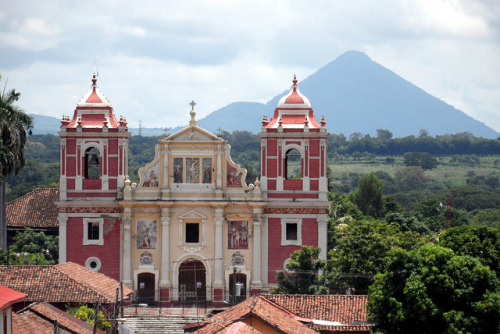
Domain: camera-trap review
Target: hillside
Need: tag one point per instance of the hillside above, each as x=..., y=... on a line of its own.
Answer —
x=356, y=94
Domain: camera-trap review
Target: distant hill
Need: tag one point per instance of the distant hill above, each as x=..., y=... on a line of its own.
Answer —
x=50, y=125
x=355, y=94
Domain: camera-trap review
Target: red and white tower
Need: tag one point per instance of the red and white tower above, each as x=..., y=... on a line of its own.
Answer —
x=294, y=181
x=94, y=166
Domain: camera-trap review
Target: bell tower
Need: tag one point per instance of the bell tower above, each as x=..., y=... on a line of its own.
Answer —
x=294, y=181
x=93, y=167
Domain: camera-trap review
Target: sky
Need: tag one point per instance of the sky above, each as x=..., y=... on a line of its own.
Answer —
x=154, y=57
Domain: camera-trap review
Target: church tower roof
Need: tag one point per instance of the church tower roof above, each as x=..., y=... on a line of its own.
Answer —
x=294, y=111
x=93, y=111
x=94, y=98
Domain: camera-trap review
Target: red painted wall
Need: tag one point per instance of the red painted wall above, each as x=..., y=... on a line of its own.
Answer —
x=109, y=253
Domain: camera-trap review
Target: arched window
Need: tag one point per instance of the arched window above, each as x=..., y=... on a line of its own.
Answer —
x=92, y=163
x=293, y=164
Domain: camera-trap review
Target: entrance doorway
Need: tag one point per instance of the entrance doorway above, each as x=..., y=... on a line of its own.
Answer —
x=146, y=288
x=192, y=282
x=237, y=288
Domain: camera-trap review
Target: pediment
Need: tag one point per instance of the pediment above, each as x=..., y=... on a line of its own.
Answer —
x=192, y=214
x=193, y=133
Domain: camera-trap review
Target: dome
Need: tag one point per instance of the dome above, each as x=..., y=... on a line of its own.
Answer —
x=95, y=97
x=294, y=99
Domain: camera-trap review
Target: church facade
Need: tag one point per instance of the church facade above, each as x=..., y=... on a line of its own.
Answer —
x=192, y=230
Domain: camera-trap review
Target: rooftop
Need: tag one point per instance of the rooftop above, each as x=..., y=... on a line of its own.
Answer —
x=34, y=209
x=61, y=283
x=40, y=317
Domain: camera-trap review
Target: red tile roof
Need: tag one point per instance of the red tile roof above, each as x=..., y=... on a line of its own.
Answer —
x=52, y=314
x=259, y=308
x=34, y=209
x=62, y=283
x=30, y=323
x=8, y=297
x=347, y=310
x=239, y=328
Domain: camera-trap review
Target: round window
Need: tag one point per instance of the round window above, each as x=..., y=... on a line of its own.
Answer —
x=93, y=263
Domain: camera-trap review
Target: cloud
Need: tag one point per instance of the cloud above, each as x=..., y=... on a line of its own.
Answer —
x=155, y=57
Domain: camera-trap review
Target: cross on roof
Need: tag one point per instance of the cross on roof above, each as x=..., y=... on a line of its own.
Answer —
x=166, y=131
x=220, y=130
x=192, y=105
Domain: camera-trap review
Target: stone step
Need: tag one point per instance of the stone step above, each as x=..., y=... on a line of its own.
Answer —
x=158, y=324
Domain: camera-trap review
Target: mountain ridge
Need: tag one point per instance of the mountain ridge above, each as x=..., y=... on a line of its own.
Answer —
x=355, y=94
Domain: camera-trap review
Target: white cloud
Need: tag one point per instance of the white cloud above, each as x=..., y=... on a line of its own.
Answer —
x=154, y=57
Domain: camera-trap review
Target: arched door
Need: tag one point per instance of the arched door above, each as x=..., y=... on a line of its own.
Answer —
x=146, y=288
x=192, y=282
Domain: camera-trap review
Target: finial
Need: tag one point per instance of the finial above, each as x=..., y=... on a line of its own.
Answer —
x=192, y=122
x=94, y=80
x=294, y=79
x=323, y=121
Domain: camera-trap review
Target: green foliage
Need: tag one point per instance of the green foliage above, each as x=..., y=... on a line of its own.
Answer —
x=433, y=290
x=410, y=178
x=470, y=197
x=368, y=196
x=488, y=217
x=408, y=221
x=359, y=251
x=22, y=259
x=303, y=278
x=481, y=242
x=390, y=204
x=490, y=183
x=87, y=314
x=32, y=242
x=424, y=160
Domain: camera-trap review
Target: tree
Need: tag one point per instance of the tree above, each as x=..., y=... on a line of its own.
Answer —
x=408, y=221
x=424, y=160
x=384, y=134
x=15, y=125
x=479, y=241
x=303, y=277
x=410, y=178
x=32, y=242
x=368, y=196
x=488, y=217
x=433, y=290
x=87, y=314
x=359, y=251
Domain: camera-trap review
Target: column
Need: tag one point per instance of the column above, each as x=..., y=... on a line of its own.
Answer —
x=323, y=235
x=165, y=252
x=265, y=248
x=218, y=248
x=256, y=272
x=127, y=251
x=62, y=218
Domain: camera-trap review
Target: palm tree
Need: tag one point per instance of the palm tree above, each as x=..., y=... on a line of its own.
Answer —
x=15, y=125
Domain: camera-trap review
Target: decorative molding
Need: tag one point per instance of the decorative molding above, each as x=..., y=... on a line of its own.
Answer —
x=238, y=259
x=192, y=250
x=296, y=210
x=193, y=214
x=90, y=210
x=146, y=210
x=146, y=259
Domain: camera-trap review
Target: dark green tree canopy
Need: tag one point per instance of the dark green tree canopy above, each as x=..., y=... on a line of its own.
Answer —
x=479, y=241
x=433, y=290
x=303, y=276
x=368, y=196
